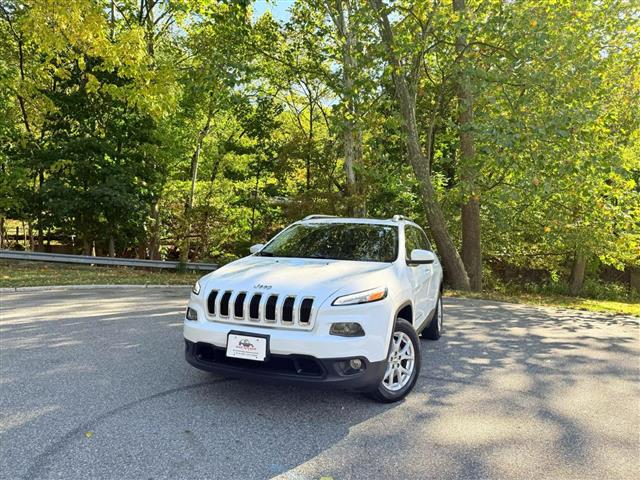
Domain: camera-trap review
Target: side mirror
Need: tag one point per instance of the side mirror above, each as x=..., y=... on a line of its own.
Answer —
x=421, y=257
x=256, y=248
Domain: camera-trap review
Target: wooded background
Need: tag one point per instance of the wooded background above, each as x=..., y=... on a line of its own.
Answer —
x=195, y=128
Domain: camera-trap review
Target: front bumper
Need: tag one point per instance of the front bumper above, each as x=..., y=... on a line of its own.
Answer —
x=375, y=318
x=334, y=372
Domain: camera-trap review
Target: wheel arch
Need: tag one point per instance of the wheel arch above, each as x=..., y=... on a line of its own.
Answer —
x=404, y=307
x=405, y=311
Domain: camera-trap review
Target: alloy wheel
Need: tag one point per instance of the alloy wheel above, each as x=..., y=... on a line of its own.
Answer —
x=401, y=362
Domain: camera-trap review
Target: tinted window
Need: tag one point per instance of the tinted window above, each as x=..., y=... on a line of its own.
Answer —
x=412, y=240
x=337, y=241
x=415, y=239
x=425, y=241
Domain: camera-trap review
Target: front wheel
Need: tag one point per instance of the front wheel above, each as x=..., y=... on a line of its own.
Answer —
x=403, y=364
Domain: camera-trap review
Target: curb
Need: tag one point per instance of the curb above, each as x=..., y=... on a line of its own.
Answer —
x=85, y=287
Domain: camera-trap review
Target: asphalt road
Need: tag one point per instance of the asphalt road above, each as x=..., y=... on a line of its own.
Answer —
x=93, y=385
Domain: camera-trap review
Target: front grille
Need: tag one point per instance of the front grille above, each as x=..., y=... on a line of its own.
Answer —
x=268, y=309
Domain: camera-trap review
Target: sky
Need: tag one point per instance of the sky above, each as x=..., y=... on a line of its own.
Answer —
x=278, y=8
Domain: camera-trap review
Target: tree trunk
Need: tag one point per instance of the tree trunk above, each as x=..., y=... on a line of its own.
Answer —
x=453, y=265
x=154, y=244
x=254, y=204
x=341, y=13
x=471, y=246
x=40, y=234
x=350, y=138
x=310, y=144
x=195, y=158
x=112, y=21
x=86, y=249
x=184, y=248
x=112, y=247
x=31, y=240
x=634, y=279
x=577, y=274
x=457, y=276
x=150, y=26
x=470, y=209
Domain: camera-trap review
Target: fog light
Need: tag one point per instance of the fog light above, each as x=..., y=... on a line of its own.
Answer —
x=355, y=364
x=192, y=314
x=346, y=329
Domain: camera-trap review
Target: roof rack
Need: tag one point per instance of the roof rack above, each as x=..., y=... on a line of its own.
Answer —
x=398, y=218
x=311, y=217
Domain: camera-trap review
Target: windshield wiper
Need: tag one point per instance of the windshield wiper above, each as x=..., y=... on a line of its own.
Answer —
x=265, y=254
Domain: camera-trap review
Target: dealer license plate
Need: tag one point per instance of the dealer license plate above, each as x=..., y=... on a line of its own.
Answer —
x=246, y=346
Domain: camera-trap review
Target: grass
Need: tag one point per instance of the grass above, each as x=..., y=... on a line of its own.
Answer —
x=30, y=274
x=621, y=307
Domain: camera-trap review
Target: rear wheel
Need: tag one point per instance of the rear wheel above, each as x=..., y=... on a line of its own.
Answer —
x=403, y=364
x=435, y=328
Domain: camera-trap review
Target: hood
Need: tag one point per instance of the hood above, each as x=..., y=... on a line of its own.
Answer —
x=296, y=276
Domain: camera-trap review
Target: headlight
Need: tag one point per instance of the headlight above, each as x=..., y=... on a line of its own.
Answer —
x=196, y=288
x=368, y=296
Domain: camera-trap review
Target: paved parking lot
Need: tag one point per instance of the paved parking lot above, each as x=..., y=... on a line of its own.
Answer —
x=93, y=385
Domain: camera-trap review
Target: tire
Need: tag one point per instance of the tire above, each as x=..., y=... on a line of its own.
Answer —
x=435, y=328
x=394, y=386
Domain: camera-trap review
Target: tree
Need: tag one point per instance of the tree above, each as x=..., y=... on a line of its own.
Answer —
x=405, y=80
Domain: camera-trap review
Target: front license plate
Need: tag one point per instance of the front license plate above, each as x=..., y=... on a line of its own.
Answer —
x=246, y=346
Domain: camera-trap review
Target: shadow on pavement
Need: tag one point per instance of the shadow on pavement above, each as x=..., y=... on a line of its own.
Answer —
x=94, y=385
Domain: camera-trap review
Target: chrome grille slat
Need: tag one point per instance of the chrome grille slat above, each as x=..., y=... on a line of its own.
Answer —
x=297, y=302
x=262, y=309
x=249, y=303
x=279, y=305
x=232, y=303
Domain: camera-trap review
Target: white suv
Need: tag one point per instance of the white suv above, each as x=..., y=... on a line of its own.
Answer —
x=328, y=300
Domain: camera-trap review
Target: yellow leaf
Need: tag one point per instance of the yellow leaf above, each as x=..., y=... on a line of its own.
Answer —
x=92, y=83
x=88, y=434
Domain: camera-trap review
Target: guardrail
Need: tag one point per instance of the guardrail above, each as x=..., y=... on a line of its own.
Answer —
x=86, y=260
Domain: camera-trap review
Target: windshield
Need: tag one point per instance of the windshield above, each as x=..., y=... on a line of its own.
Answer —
x=337, y=241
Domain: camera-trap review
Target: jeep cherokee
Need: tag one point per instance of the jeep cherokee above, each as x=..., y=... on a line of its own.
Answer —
x=338, y=301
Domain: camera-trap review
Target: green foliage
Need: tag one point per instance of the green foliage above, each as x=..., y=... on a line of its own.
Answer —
x=113, y=112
